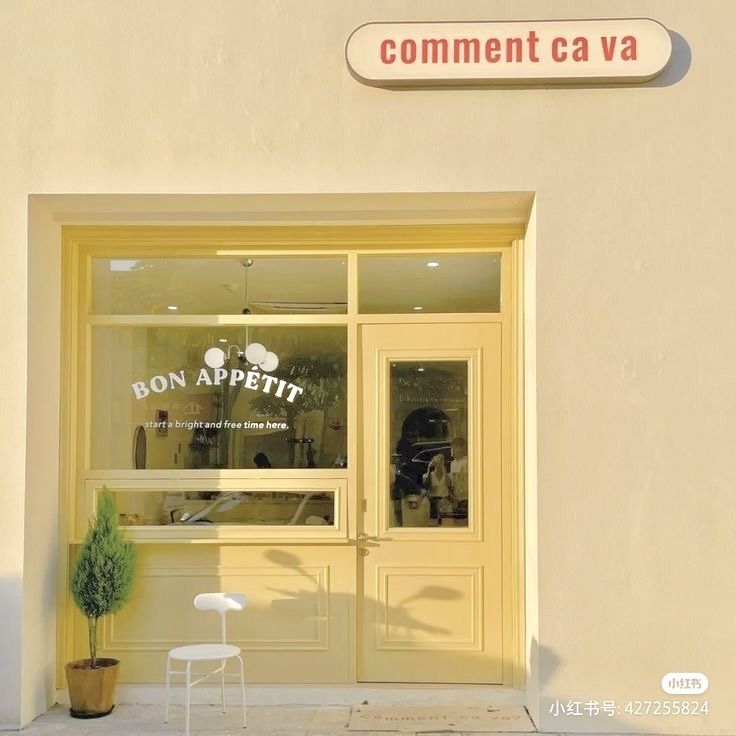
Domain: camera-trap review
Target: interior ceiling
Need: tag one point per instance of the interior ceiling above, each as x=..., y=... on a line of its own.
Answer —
x=313, y=284
x=468, y=282
x=218, y=285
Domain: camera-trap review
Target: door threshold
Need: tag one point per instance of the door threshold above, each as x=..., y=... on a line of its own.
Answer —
x=328, y=694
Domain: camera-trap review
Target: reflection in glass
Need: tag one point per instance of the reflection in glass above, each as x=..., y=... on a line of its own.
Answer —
x=428, y=414
x=238, y=285
x=247, y=507
x=416, y=284
x=219, y=397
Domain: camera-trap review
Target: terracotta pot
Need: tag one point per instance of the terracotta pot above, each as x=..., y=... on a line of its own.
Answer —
x=92, y=691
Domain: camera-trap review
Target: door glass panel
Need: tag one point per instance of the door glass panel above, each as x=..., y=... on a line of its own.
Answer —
x=428, y=431
x=189, y=398
x=464, y=282
x=257, y=285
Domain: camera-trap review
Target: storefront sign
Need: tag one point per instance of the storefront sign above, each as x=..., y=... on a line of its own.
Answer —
x=214, y=373
x=509, y=52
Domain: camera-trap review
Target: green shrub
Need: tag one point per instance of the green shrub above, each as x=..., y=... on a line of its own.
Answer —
x=102, y=578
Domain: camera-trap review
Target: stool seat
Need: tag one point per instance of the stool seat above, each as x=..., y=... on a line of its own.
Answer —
x=203, y=652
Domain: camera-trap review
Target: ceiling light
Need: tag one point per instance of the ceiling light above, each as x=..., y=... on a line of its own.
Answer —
x=432, y=264
x=172, y=307
x=417, y=309
x=223, y=339
x=421, y=370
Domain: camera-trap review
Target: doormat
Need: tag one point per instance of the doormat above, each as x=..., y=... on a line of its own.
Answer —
x=451, y=719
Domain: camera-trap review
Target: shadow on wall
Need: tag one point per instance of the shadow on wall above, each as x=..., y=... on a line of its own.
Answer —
x=38, y=680
x=679, y=66
x=276, y=610
x=299, y=604
x=11, y=595
x=582, y=713
x=399, y=616
x=576, y=712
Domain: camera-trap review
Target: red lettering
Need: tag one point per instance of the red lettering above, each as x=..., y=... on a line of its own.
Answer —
x=438, y=49
x=408, y=51
x=580, y=49
x=559, y=45
x=386, y=45
x=628, y=53
x=609, y=46
x=532, y=41
x=469, y=48
x=513, y=49
x=493, y=50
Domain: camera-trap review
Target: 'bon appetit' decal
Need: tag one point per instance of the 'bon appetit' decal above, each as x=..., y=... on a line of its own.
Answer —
x=262, y=363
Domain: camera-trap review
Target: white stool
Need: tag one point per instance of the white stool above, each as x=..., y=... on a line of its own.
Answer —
x=222, y=603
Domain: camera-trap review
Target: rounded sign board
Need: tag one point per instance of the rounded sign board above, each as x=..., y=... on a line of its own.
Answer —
x=602, y=51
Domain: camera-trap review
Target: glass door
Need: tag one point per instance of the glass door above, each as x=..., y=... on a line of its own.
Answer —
x=431, y=546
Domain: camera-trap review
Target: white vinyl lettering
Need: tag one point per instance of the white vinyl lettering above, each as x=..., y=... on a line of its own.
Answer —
x=236, y=375
x=204, y=378
x=268, y=382
x=140, y=389
x=258, y=377
x=177, y=378
x=159, y=384
x=293, y=392
x=251, y=380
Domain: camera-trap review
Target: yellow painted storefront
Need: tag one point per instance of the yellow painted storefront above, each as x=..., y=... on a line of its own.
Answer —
x=413, y=335
x=218, y=132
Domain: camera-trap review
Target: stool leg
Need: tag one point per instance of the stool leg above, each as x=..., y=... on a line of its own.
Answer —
x=188, y=698
x=242, y=690
x=222, y=683
x=168, y=684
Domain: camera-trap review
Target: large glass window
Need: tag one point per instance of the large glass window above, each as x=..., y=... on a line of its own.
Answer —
x=247, y=507
x=215, y=360
x=193, y=397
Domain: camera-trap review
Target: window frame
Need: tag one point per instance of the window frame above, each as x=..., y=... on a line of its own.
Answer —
x=80, y=244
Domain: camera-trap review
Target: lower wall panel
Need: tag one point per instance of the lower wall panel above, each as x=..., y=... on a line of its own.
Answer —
x=297, y=628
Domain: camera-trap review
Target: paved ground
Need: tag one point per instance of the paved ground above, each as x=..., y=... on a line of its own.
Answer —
x=128, y=720
x=206, y=721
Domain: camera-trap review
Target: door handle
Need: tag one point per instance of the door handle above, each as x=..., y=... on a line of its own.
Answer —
x=363, y=537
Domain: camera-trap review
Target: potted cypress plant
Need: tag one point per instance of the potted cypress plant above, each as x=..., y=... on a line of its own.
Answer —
x=101, y=583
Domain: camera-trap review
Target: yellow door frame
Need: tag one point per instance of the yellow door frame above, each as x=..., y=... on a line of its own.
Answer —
x=81, y=243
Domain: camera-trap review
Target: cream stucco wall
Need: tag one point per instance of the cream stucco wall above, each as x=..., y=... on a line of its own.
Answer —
x=634, y=296
x=40, y=543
